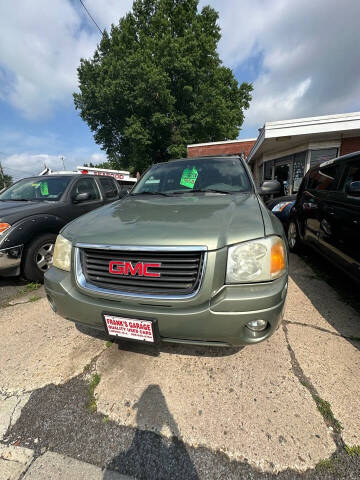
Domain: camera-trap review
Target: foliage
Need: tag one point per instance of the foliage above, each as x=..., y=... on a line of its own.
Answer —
x=98, y=165
x=8, y=180
x=156, y=83
x=353, y=451
x=94, y=382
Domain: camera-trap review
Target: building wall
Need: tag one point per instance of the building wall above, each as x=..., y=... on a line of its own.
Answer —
x=233, y=148
x=349, y=145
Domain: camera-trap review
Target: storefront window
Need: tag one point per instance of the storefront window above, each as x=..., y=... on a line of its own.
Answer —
x=268, y=170
x=289, y=171
x=298, y=170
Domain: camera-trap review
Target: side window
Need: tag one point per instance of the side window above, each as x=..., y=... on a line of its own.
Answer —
x=109, y=187
x=152, y=184
x=352, y=174
x=268, y=170
x=324, y=178
x=86, y=185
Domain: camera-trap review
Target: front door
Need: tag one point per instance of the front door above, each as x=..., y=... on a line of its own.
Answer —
x=344, y=220
x=282, y=174
x=318, y=221
x=85, y=185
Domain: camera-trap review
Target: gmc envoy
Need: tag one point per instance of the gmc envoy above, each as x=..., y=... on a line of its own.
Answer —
x=190, y=255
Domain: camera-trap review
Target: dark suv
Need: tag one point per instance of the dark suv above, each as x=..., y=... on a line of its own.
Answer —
x=326, y=214
x=32, y=212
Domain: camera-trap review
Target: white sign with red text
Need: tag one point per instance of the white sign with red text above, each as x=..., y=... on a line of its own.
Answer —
x=130, y=328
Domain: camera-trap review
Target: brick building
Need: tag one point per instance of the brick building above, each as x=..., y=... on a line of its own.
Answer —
x=288, y=148
x=285, y=150
x=235, y=147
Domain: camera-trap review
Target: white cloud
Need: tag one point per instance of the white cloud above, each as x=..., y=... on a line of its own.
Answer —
x=269, y=105
x=97, y=158
x=309, y=51
x=27, y=164
x=108, y=12
x=41, y=44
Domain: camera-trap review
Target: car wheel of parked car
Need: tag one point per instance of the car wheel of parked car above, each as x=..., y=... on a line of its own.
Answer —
x=293, y=237
x=39, y=257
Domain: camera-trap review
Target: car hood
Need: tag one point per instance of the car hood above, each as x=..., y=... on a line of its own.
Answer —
x=11, y=211
x=209, y=220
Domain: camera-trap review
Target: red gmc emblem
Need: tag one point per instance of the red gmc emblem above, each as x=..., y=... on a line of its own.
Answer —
x=127, y=268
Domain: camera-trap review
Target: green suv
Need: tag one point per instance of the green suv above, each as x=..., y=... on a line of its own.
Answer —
x=191, y=255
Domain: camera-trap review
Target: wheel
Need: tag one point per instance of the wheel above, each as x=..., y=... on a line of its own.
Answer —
x=293, y=237
x=39, y=257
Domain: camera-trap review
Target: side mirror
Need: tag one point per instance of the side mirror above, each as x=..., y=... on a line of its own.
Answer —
x=270, y=187
x=123, y=193
x=81, y=197
x=353, y=188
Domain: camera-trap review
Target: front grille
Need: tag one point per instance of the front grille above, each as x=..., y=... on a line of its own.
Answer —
x=180, y=272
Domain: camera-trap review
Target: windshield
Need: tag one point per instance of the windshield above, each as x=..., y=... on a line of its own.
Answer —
x=47, y=188
x=219, y=175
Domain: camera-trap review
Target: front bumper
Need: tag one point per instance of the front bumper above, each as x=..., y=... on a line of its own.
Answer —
x=10, y=260
x=219, y=321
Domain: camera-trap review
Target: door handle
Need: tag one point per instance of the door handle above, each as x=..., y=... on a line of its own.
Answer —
x=309, y=206
x=330, y=210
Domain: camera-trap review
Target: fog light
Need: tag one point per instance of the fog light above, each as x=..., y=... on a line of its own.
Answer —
x=257, y=325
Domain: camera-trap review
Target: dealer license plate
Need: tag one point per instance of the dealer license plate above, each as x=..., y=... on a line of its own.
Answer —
x=130, y=328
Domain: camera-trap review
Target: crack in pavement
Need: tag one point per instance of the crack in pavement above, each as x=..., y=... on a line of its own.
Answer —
x=21, y=393
x=321, y=329
x=12, y=413
x=323, y=407
x=58, y=418
x=9, y=459
x=35, y=457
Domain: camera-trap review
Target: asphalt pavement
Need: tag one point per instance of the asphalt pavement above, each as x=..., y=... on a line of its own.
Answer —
x=74, y=405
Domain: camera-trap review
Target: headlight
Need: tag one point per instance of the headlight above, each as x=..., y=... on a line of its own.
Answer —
x=4, y=227
x=62, y=254
x=256, y=261
x=280, y=206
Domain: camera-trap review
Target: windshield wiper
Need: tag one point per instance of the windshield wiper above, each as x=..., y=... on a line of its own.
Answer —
x=202, y=190
x=20, y=200
x=150, y=193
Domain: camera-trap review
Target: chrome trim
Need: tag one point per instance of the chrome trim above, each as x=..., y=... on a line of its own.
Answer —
x=143, y=248
x=9, y=260
x=89, y=287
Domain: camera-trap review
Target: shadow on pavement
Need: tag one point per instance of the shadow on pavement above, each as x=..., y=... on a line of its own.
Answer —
x=151, y=455
x=156, y=350
x=9, y=286
x=311, y=282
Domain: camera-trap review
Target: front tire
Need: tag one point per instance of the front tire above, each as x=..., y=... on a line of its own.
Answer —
x=293, y=238
x=39, y=257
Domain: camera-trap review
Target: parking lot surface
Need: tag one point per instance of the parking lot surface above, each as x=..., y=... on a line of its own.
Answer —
x=287, y=408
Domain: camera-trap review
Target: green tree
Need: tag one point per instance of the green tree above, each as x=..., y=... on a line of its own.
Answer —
x=8, y=180
x=156, y=83
x=98, y=165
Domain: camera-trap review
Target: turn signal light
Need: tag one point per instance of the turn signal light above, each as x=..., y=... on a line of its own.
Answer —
x=278, y=261
x=3, y=227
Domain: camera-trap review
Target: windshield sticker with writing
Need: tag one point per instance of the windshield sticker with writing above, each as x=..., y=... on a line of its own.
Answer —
x=35, y=184
x=44, y=188
x=188, y=177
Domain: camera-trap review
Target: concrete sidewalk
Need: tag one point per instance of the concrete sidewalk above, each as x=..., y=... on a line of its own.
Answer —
x=18, y=462
x=72, y=404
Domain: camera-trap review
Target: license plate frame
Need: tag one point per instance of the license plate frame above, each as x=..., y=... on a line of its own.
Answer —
x=130, y=320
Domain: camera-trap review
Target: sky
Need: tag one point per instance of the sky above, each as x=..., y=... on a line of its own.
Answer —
x=302, y=56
